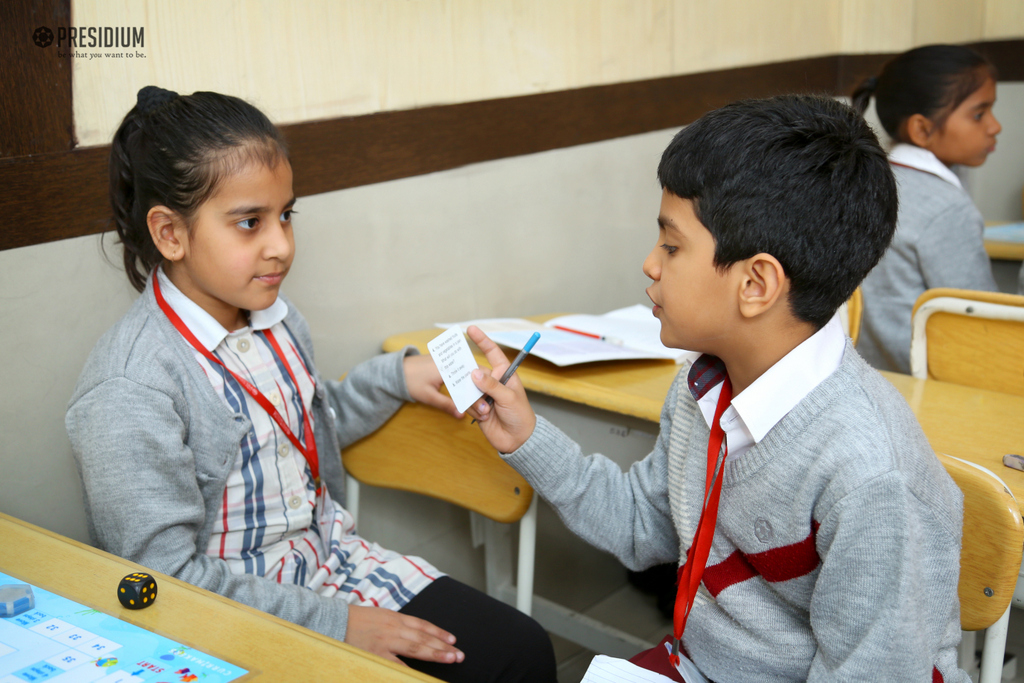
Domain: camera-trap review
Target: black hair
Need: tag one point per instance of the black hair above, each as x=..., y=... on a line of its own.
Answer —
x=932, y=80
x=173, y=150
x=800, y=177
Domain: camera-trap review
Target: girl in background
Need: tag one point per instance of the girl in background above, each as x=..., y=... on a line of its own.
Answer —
x=935, y=102
x=205, y=438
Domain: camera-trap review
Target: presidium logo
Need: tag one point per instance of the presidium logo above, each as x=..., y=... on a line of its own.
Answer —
x=42, y=37
x=93, y=37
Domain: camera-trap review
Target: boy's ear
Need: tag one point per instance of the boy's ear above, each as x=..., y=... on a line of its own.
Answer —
x=763, y=282
x=168, y=232
x=919, y=130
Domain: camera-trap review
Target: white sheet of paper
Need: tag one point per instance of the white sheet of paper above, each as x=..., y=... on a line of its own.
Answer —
x=604, y=669
x=455, y=362
x=637, y=336
x=634, y=326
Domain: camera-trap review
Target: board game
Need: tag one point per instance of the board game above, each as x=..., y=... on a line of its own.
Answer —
x=61, y=641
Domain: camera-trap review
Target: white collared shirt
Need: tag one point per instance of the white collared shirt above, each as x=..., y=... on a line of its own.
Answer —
x=204, y=326
x=759, y=407
x=272, y=520
x=923, y=160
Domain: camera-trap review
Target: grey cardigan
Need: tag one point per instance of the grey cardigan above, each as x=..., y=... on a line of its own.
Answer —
x=938, y=243
x=837, y=549
x=154, y=445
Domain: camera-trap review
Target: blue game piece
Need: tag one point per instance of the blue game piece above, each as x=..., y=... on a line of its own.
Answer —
x=16, y=598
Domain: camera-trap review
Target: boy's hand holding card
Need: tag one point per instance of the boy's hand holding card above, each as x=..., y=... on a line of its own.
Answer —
x=455, y=362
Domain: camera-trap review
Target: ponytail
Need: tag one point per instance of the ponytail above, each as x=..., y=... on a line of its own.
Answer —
x=173, y=150
x=861, y=97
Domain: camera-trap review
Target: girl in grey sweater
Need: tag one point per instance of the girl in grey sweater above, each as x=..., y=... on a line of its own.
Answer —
x=207, y=442
x=936, y=103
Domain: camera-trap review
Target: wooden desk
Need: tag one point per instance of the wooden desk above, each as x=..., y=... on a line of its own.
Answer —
x=1005, y=251
x=270, y=648
x=973, y=424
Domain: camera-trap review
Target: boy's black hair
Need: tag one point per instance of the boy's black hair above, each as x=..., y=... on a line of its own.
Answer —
x=799, y=177
x=931, y=80
x=173, y=150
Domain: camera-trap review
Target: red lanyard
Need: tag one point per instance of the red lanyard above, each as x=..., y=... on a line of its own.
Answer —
x=697, y=556
x=309, y=453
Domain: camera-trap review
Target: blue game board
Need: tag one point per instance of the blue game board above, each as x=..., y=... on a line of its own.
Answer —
x=61, y=641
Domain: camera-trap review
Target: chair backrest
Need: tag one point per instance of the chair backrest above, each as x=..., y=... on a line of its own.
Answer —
x=969, y=337
x=854, y=312
x=993, y=541
x=425, y=451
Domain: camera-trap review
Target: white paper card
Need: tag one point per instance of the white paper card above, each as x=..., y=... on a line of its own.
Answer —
x=455, y=362
x=604, y=669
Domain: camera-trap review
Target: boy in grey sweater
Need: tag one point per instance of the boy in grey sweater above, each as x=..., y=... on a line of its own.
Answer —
x=835, y=555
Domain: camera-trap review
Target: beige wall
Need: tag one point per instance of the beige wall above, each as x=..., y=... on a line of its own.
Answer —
x=326, y=58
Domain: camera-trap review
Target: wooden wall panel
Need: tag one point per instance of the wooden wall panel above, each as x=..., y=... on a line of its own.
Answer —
x=726, y=33
x=1003, y=19
x=391, y=88
x=948, y=21
x=57, y=196
x=35, y=86
x=322, y=59
x=862, y=31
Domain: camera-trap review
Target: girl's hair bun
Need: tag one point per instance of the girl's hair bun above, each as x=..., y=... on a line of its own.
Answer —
x=151, y=97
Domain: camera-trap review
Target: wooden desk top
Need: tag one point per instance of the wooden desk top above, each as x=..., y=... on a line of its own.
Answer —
x=270, y=648
x=973, y=424
x=1006, y=251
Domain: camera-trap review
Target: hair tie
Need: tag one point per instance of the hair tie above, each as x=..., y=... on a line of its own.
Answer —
x=151, y=97
x=870, y=83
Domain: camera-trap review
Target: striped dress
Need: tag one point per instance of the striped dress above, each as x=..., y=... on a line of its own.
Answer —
x=273, y=521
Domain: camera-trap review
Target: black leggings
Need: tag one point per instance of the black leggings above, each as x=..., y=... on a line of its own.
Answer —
x=502, y=645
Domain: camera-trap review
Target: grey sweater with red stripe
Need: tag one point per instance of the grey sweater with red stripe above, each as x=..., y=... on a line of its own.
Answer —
x=836, y=553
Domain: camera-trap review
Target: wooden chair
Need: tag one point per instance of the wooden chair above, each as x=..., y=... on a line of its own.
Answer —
x=425, y=451
x=969, y=337
x=851, y=313
x=990, y=559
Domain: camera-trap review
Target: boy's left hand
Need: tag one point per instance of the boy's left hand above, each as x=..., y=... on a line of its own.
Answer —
x=424, y=384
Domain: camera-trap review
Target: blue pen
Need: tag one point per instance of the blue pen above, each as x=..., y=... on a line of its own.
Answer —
x=515, y=364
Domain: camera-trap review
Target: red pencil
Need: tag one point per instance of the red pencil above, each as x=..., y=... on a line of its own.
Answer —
x=609, y=340
x=585, y=334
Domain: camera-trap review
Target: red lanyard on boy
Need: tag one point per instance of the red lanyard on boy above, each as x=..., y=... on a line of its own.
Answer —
x=310, y=452
x=697, y=556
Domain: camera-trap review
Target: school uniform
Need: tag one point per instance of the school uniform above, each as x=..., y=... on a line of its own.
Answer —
x=184, y=473
x=835, y=556
x=938, y=243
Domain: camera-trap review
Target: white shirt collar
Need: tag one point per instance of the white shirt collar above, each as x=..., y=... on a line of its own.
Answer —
x=923, y=160
x=204, y=326
x=771, y=396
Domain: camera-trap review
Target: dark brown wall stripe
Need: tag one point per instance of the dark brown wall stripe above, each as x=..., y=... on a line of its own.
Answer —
x=35, y=86
x=59, y=195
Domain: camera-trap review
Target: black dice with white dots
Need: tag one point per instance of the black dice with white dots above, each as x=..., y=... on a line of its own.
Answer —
x=137, y=590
